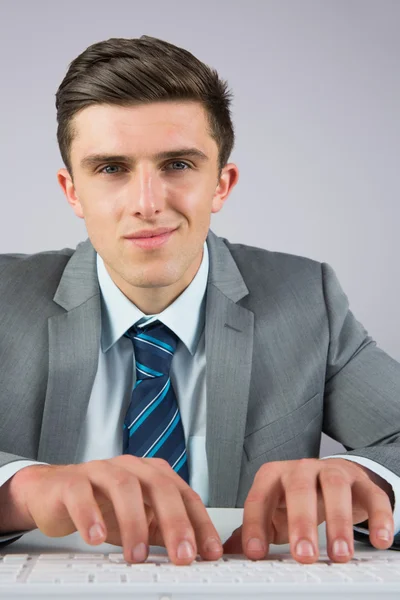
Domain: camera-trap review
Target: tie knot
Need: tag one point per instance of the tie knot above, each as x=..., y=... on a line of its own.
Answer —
x=154, y=347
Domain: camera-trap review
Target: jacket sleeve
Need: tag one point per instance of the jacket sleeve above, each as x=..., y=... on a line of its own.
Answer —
x=362, y=386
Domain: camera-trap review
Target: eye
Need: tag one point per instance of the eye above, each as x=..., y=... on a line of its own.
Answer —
x=107, y=167
x=102, y=170
x=177, y=162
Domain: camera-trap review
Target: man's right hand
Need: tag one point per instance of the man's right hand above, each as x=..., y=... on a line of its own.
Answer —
x=127, y=501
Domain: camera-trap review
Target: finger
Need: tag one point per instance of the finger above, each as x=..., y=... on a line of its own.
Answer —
x=172, y=518
x=300, y=486
x=336, y=492
x=78, y=498
x=162, y=489
x=124, y=491
x=380, y=513
x=208, y=541
x=259, y=507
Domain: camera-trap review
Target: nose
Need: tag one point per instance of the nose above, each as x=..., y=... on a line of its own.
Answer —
x=146, y=196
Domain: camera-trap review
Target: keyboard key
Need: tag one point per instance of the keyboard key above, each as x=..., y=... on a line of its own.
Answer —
x=140, y=577
x=87, y=556
x=115, y=557
x=41, y=578
x=13, y=558
x=107, y=577
x=8, y=577
x=52, y=557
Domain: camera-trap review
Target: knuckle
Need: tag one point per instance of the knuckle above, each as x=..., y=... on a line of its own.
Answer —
x=122, y=478
x=383, y=516
x=304, y=524
x=252, y=525
x=176, y=525
x=164, y=483
x=263, y=470
x=192, y=496
x=180, y=527
x=129, y=525
x=338, y=520
x=304, y=463
x=100, y=466
x=161, y=462
x=254, y=496
x=378, y=493
x=298, y=485
x=98, y=463
x=128, y=459
x=333, y=476
x=72, y=481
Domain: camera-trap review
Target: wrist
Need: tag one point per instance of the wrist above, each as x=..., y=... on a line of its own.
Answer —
x=14, y=513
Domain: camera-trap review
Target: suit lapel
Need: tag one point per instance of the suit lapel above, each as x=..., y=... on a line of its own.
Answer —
x=229, y=347
x=74, y=340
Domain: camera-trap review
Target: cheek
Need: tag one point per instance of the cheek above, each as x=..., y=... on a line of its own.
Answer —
x=104, y=212
x=194, y=204
x=102, y=226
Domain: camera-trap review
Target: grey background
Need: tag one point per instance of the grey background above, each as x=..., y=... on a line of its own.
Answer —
x=316, y=112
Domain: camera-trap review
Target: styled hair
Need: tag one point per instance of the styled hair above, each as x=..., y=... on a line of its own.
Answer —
x=128, y=72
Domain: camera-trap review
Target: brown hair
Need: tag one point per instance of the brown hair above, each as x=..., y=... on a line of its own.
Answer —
x=127, y=72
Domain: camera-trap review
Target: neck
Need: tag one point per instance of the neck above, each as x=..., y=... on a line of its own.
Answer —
x=153, y=300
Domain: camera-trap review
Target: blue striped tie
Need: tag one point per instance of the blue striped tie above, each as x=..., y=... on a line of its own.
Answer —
x=152, y=425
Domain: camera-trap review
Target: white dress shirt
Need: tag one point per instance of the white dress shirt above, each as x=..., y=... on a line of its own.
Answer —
x=101, y=435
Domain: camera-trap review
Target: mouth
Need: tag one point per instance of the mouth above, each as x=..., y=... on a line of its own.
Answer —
x=155, y=241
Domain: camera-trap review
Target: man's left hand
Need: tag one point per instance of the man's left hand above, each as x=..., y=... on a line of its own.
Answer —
x=289, y=499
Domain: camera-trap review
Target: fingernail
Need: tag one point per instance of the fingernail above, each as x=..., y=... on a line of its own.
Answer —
x=96, y=532
x=383, y=534
x=340, y=548
x=139, y=552
x=304, y=548
x=212, y=545
x=185, y=550
x=255, y=545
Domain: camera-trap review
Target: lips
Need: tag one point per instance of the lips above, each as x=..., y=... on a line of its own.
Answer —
x=150, y=233
x=152, y=242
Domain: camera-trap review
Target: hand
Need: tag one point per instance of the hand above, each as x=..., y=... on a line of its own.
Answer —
x=289, y=499
x=127, y=500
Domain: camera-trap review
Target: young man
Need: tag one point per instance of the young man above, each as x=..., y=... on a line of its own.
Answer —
x=158, y=368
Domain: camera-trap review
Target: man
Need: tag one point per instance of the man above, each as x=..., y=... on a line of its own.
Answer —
x=101, y=431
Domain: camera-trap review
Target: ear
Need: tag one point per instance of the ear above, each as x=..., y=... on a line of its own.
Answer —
x=228, y=180
x=67, y=186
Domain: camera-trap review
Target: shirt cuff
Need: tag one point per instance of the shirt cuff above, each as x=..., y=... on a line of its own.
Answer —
x=385, y=473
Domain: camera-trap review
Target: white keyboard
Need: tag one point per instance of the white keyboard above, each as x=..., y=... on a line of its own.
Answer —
x=158, y=571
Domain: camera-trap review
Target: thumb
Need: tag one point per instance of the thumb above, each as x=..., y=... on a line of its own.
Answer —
x=233, y=544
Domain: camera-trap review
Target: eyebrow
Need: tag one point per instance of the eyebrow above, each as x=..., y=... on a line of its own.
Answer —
x=93, y=159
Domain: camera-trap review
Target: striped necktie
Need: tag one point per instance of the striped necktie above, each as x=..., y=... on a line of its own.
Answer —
x=152, y=425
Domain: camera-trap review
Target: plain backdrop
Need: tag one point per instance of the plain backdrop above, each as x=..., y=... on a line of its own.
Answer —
x=316, y=111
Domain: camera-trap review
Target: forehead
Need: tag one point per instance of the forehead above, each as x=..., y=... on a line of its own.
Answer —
x=143, y=128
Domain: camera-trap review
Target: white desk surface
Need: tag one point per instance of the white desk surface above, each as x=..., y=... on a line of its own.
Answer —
x=224, y=519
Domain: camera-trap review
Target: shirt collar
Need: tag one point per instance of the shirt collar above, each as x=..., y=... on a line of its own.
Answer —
x=185, y=316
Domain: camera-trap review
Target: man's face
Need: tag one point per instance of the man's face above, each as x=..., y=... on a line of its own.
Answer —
x=119, y=198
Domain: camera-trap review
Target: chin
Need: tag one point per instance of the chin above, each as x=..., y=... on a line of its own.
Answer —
x=154, y=281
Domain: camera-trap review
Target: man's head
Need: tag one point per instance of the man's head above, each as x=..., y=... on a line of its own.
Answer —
x=137, y=99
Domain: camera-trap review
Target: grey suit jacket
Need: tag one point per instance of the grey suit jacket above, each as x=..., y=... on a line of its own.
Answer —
x=286, y=360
